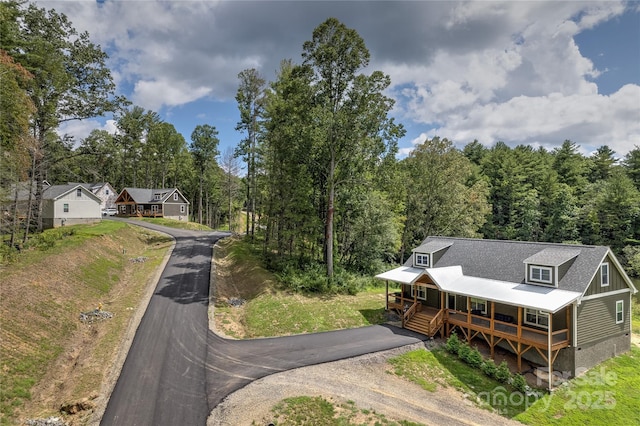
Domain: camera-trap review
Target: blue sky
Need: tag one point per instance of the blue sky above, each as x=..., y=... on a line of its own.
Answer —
x=526, y=72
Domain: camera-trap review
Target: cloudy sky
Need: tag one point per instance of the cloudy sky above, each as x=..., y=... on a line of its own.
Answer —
x=522, y=72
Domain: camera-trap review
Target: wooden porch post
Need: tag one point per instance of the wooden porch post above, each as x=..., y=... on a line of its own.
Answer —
x=493, y=312
x=519, y=338
x=568, y=325
x=549, y=335
x=386, y=298
x=402, y=303
x=469, y=318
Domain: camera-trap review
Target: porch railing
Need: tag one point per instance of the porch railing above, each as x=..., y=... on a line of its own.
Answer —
x=409, y=313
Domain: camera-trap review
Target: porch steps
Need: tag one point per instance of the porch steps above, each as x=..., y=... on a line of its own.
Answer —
x=420, y=324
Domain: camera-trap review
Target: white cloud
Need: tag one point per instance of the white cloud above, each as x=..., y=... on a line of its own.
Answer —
x=80, y=129
x=155, y=94
x=488, y=70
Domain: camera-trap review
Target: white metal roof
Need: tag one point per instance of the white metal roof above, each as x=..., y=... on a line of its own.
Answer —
x=403, y=274
x=452, y=280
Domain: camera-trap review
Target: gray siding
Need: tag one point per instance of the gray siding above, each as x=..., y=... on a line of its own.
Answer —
x=597, y=318
x=616, y=281
x=173, y=209
x=433, y=298
x=562, y=269
x=435, y=257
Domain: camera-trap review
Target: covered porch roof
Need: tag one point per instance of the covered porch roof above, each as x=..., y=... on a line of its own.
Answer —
x=452, y=280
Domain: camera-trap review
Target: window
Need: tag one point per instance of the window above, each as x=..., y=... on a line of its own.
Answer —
x=540, y=274
x=154, y=208
x=182, y=208
x=422, y=260
x=536, y=317
x=79, y=192
x=106, y=191
x=175, y=196
x=65, y=207
x=156, y=197
x=604, y=275
x=479, y=306
x=422, y=292
x=619, y=311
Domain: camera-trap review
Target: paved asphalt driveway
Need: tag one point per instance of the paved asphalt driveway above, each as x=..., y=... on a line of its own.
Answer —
x=177, y=370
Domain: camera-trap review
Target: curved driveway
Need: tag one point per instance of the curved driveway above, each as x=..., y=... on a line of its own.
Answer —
x=177, y=370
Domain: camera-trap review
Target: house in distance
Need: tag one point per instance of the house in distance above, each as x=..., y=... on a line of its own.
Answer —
x=565, y=307
x=167, y=203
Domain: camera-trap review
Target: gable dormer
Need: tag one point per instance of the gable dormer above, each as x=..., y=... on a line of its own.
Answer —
x=547, y=267
x=427, y=255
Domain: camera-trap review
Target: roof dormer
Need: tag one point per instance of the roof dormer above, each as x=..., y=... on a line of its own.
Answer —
x=427, y=255
x=547, y=267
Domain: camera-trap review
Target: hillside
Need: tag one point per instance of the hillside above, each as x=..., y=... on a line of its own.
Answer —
x=49, y=358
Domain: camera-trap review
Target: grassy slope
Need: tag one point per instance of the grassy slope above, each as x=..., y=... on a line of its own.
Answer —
x=42, y=294
x=272, y=312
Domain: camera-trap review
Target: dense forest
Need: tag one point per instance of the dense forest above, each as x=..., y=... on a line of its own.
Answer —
x=322, y=184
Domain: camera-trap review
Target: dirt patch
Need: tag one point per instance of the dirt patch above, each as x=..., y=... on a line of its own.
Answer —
x=233, y=282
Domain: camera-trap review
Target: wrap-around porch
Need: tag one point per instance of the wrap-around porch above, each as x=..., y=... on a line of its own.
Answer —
x=426, y=309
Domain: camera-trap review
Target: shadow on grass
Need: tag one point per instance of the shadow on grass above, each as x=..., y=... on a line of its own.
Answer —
x=507, y=401
x=374, y=316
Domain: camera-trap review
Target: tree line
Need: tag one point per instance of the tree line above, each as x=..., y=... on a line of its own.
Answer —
x=323, y=186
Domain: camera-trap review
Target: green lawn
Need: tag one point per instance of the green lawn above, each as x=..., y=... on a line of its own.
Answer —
x=172, y=223
x=280, y=313
x=606, y=395
x=318, y=411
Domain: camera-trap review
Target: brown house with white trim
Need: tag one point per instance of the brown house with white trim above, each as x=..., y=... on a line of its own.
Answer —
x=567, y=307
x=168, y=203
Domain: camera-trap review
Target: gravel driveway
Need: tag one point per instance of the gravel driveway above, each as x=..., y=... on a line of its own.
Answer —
x=365, y=380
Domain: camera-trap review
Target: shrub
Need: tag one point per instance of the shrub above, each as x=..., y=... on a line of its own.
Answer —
x=463, y=351
x=453, y=344
x=520, y=383
x=474, y=358
x=502, y=373
x=489, y=368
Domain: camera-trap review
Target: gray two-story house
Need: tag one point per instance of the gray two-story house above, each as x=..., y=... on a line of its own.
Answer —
x=166, y=202
x=564, y=306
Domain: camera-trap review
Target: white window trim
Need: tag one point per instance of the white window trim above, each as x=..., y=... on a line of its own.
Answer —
x=481, y=301
x=182, y=209
x=602, y=283
x=620, y=311
x=154, y=208
x=175, y=196
x=542, y=268
x=416, y=256
x=538, y=313
x=413, y=292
